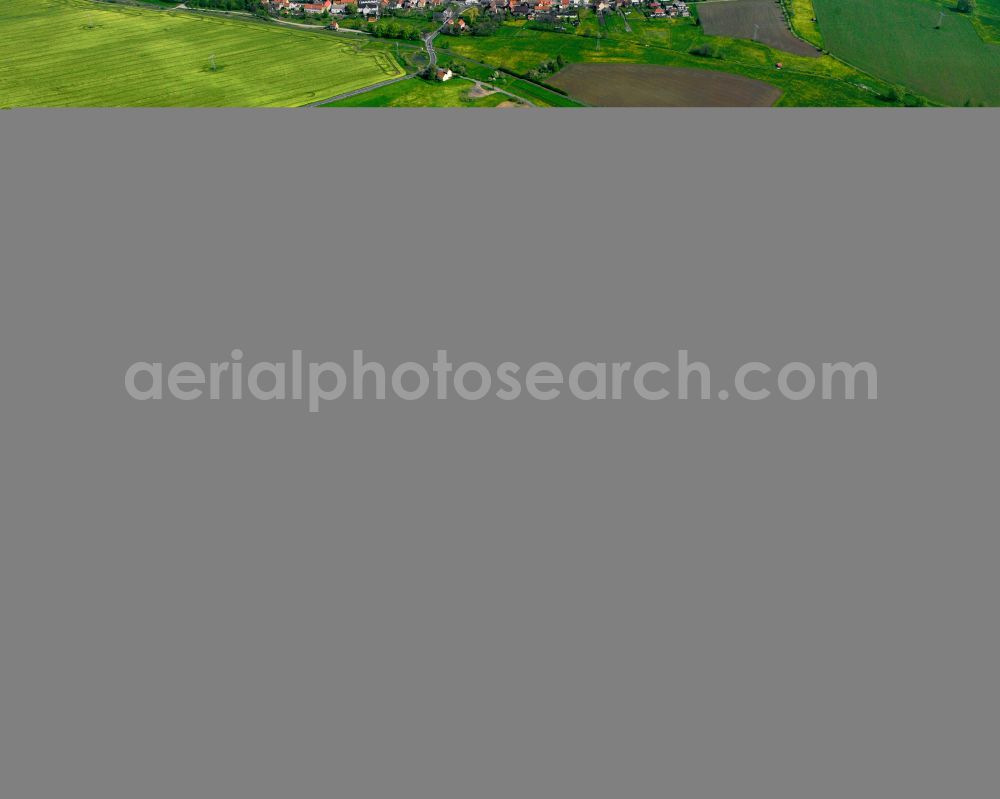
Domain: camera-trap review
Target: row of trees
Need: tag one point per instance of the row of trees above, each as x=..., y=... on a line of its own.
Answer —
x=392, y=31
x=546, y=68
x=253, y=6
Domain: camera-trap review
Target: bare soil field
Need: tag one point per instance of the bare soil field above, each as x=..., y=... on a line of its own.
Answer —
x=738, y=18
x=640, y=85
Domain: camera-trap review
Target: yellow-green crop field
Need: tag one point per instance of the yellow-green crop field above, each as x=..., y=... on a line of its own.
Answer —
x=78, y=53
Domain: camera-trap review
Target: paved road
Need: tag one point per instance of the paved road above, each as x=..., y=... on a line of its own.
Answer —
x=431, y=60
x=359, y=91
x=432, y=56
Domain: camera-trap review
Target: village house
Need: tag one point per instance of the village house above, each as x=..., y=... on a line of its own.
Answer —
x=305, y=8
x=443, y=75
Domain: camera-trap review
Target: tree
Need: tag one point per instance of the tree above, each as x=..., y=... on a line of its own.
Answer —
x=966, y=6
x=485, y=25
x=351, y=9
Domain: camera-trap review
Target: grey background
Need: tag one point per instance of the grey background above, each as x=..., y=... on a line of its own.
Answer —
x=526, y=599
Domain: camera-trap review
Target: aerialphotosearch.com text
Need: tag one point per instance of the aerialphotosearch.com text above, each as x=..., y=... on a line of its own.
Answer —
x=320, y=382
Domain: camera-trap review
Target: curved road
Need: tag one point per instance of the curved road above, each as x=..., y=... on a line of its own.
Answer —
x=431, y=60
x=432, y=55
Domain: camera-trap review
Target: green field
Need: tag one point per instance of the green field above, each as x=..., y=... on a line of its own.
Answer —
x=419, y=93
x=898, y=40
x=76, y=53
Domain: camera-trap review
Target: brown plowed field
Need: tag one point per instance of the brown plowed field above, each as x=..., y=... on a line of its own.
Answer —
x=633, y=85
x=736, y=19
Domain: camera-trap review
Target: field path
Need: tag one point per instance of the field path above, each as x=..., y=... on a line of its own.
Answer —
x=358, y=91
x=287, y=23
x=489, y=87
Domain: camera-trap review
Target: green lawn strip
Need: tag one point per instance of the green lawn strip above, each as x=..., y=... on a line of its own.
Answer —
x=420, y=93
x=537, y=94
x=900, y=41
x=540, y=95
x=800, y=15
x=77, y=53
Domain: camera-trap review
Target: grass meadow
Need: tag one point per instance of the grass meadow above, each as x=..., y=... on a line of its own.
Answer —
x=76, y=53
x=419, y=93
x=804, y=81
x=899, y=40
